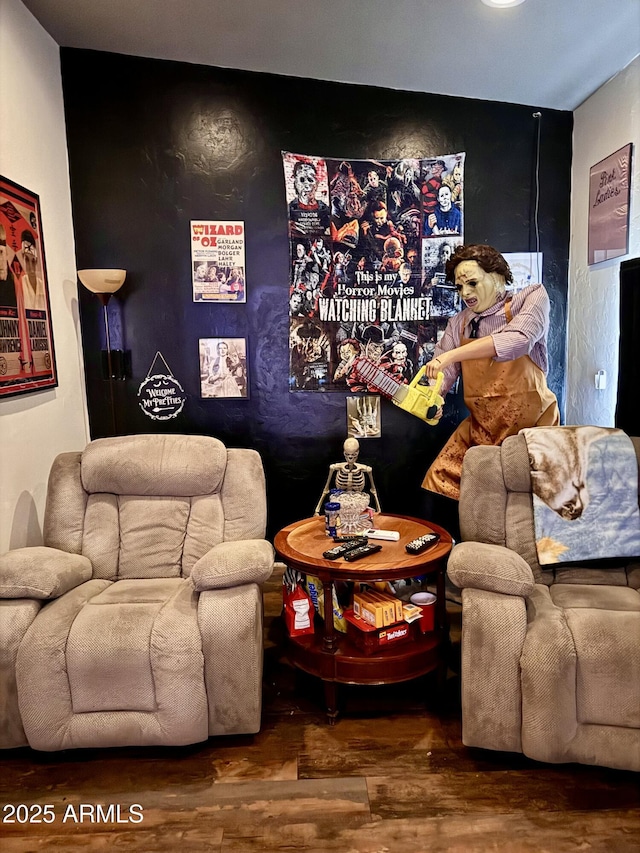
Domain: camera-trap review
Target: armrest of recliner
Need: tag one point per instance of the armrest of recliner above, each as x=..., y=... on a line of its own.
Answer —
x=234, y=563
x=493, y=568
x=41, y=573
x=495, y=581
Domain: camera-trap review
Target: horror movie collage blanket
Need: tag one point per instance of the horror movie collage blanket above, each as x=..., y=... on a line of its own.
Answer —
x=369, y=240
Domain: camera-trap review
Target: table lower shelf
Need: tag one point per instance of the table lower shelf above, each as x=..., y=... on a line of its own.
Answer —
x=346, y=664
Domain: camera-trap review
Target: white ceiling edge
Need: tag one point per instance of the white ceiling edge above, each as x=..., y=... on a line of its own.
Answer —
x=546, y=53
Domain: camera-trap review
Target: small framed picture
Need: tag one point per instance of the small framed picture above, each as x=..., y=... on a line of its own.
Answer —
x=223, y=368
x=363, y=416
x=609, y=203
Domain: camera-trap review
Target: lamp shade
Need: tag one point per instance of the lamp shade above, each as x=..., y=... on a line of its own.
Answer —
x=102, y=281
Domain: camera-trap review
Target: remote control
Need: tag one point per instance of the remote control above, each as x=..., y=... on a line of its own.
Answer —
x=361, y=551
x=358, y=538
x=417, y=546
x=377, y=533
x=340, y=550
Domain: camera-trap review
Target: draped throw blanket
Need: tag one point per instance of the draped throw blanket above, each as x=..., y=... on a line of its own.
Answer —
x=584, y=481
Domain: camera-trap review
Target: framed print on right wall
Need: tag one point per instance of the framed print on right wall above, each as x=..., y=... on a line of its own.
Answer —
x=609, y=196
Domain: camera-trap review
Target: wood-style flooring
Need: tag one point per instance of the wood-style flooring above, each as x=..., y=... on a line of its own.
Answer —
x=392, y=776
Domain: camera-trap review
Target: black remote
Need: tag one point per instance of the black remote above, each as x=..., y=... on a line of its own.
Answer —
x=417, y=546
x=362, y=551
x=340, y=550
x=357, y=538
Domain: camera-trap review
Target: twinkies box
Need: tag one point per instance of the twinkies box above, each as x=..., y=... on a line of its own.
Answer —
x=368, y=610
x=375, y=598
x=371, y=640
x=370, y=598
x=394, y=604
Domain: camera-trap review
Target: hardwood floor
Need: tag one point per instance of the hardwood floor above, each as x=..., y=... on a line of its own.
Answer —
x=392, y=776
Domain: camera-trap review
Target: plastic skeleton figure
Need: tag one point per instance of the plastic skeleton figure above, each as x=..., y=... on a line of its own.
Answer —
x=350, y=475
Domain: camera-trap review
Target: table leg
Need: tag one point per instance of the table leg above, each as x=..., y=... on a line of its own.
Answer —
x=331, y=701
x=329, y=641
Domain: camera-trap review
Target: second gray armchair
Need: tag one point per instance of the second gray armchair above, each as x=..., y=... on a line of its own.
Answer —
x=550, y=657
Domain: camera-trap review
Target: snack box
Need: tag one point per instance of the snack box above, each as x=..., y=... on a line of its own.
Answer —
x=366, y=606
x=368, y=610
x=411, y=612
x=395, y=604
x=371, y=640
x=368, y=600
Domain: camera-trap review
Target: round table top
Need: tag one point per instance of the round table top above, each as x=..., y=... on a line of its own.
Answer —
x=301, y=544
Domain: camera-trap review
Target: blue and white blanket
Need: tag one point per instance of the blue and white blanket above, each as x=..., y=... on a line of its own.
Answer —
x=585, y=493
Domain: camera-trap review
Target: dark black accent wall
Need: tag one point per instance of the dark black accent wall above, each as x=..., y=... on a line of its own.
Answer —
x=154, y=144
x=627, y=415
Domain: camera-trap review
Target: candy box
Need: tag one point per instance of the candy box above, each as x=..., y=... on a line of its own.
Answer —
x=370, y=640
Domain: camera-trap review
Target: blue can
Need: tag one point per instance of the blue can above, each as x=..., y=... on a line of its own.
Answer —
x=332, y=518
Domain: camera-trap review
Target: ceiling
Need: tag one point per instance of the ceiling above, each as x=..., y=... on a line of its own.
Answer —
x=547, y=53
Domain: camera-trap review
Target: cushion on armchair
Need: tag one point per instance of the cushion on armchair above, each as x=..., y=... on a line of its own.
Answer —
x=233, y=563
x=490, y=567
x=41, y=573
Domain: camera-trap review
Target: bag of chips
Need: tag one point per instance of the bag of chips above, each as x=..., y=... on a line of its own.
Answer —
x=298, y=608
x=316, y=592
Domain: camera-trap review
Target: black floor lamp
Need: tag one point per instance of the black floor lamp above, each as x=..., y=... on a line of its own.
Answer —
x=104, y=283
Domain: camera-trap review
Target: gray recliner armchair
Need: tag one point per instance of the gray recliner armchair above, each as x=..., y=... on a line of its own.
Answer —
x=550, y=657
x=140, y=620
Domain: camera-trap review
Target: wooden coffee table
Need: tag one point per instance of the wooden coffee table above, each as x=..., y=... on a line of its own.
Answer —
x=328, y=654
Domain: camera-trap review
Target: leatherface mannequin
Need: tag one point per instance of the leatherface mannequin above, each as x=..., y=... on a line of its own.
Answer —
x=503, y=370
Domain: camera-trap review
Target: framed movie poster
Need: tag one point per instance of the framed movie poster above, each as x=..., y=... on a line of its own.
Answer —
x=27, y=359
x=217, y=261
x=609, y=194
x=223, y=368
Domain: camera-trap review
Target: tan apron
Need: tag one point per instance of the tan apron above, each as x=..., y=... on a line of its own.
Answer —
x=503, y=397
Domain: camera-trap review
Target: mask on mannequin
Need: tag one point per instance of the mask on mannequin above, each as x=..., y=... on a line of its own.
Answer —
x=478, y=289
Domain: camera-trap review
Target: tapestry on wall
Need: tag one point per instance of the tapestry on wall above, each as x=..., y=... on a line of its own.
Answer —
x=369, y=241
x=27, y=361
